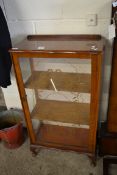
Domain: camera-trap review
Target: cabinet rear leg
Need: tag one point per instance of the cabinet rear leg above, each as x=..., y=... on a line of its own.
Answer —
x=93, y=160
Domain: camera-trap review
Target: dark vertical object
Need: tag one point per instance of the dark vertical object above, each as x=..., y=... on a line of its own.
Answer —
x=5, y=45
x=108, y=130
x=112, y=109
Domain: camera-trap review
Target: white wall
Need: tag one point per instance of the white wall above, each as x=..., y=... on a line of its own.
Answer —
x=56, y=16
x=59, y=17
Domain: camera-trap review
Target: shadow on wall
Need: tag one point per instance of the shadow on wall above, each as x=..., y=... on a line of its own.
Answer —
x=2, y=101
x=106, y=73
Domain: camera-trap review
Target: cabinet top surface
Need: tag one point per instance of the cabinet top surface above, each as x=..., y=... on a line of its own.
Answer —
x=60, y=43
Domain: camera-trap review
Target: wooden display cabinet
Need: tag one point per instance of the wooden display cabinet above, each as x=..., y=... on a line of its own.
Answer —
x=58, y=78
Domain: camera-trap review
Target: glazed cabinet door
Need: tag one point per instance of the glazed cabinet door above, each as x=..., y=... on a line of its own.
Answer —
x=60, y=98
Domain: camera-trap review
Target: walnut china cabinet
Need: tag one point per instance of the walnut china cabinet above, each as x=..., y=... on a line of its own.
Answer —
x=58, y=78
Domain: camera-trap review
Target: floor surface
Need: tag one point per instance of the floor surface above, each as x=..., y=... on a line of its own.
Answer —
x=48, y=162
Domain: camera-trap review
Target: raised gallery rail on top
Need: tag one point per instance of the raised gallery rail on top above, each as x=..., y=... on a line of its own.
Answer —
x=63, y=37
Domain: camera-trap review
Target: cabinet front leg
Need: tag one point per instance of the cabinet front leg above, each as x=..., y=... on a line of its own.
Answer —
x=35, y=150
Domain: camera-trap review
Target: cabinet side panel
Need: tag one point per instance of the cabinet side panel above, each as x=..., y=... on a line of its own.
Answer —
x=95, y=97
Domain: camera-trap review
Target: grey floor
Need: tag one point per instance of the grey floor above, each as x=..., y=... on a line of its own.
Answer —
x=48, y=162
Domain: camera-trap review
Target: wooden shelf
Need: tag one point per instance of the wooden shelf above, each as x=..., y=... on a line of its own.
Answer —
x=73, y=82
x=64, y=137
x=67, y=112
